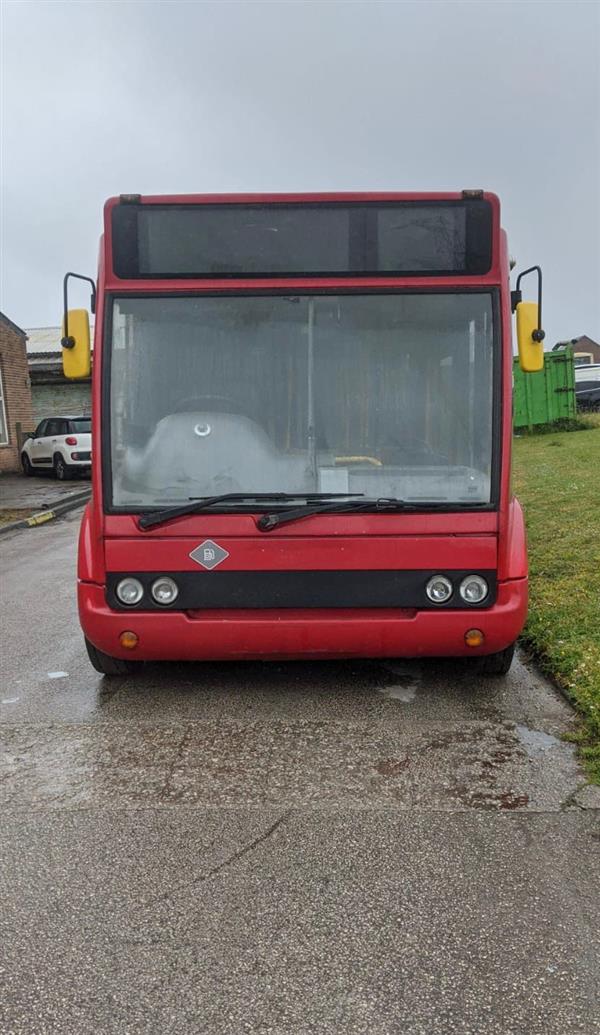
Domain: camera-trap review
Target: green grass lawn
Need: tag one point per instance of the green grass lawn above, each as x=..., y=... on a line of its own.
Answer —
x=557, y=479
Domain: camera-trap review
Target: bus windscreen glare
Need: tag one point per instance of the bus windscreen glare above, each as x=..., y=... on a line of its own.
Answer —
x=294, y=390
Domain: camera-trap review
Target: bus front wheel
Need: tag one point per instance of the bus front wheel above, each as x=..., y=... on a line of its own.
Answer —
x=496, y=664
x=110, y=666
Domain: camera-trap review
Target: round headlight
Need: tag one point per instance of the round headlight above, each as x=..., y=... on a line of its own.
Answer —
x=164, y=590
x=439, y=589
x=473, y=589
x=129, y=591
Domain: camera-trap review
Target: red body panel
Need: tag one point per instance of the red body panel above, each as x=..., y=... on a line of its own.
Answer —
x=512, y=545
x=351, y=553
x=467, y=523
x=368, y=541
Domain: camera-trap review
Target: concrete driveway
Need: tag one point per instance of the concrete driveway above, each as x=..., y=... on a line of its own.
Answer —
x=356, y=847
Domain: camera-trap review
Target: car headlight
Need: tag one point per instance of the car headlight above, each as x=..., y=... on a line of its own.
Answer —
x=129, y=591
x=164, y=590
x=439, y=589
x=473, y=589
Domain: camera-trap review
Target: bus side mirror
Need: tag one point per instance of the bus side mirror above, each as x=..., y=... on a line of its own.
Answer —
x=75, y=341
x=76, y=344
x=530, y=336
x=530, y=344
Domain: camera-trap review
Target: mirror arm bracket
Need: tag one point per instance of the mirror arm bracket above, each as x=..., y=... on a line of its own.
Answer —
x=68, y=342
x=516, y=297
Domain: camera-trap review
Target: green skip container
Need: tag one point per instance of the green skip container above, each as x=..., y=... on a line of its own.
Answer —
x=548, y=395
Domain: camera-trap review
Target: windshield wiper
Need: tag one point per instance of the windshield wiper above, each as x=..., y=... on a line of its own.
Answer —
x=268, y=522
x=152, y=518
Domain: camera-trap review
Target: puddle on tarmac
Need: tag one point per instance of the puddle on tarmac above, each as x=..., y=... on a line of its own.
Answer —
x=406, y=685
x=536, y=742
x=406, y=694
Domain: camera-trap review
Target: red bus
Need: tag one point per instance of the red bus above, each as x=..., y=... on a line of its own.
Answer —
x=302, y=430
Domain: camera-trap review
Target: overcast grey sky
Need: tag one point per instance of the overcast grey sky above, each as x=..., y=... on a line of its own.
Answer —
x=155, y=97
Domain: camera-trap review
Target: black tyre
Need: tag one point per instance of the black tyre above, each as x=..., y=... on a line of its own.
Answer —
x=109, y=666
x=26, y=465
x=496, y=664
x=61, y=469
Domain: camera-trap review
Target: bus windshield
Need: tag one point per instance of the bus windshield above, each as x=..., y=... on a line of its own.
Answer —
x=389, y=395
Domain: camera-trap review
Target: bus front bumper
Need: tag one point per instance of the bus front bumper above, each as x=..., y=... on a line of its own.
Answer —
x=288, y=634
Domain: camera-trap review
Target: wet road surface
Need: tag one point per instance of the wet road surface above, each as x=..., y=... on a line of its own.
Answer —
x=356, y=847
x=37, y=493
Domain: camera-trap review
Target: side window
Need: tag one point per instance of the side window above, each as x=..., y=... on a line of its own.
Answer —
x=52, y=428
x=40, y=431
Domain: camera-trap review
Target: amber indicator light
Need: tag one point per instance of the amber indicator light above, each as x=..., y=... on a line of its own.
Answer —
x=129, y=640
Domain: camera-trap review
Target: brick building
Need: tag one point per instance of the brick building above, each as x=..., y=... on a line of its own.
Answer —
x=15, y=393
x=585, y=349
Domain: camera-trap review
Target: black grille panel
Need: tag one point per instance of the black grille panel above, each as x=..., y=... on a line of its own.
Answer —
x=262, y=590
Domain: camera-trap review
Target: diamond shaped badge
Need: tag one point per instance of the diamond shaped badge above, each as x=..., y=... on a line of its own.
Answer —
x=209, y=554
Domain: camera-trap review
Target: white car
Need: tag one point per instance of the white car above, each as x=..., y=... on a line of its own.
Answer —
x=59, y=444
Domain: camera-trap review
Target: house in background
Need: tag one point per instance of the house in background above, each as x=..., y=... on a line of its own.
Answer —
x=16, y=417
x=585, y=350
x=51, y=392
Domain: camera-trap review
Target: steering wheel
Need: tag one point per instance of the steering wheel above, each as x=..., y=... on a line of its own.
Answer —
x=195, y=404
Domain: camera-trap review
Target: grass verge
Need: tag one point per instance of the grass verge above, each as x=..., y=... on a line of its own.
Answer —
x=6, y=516
x=579, y=423
x=557, y=478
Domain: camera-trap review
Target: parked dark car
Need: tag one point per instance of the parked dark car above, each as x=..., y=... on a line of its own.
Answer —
x=587, y=386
